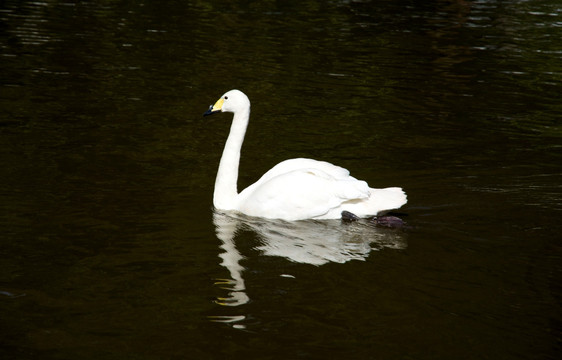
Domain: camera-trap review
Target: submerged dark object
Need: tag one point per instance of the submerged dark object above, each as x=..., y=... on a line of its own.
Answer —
x=349, y=217
x=388, y=221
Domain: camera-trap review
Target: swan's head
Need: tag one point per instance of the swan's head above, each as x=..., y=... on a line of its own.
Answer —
x=232, y=101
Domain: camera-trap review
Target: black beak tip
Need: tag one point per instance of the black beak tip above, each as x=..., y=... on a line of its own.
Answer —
x=209, y=112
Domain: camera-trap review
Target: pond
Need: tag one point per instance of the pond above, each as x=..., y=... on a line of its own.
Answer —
x=110, y=245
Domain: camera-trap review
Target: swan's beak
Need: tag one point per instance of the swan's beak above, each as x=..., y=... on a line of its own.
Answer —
x=215, y=108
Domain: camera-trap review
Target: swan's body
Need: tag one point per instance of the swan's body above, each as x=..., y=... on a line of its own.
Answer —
x=295, y=189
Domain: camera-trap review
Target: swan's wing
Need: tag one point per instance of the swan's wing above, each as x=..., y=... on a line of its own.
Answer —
x=300, y=194
x=290, y=165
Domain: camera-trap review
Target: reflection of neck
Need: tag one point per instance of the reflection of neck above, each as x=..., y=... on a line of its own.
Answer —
x=231, y=260
x=227, y=175
x=226, y=229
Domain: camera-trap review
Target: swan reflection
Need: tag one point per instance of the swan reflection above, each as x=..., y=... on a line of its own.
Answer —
x=306, y=242
x=226, y=227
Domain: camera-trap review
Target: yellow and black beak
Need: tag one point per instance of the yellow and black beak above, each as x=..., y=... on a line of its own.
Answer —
x=215, y=108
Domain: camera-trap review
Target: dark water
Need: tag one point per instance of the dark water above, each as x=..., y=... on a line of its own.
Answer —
x=109, y=247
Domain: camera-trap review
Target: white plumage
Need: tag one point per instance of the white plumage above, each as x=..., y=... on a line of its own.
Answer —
x=294, y=189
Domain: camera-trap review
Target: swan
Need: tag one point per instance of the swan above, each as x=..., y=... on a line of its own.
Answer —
x=295, y=189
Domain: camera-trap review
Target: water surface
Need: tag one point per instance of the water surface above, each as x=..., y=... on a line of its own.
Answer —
x=110, y=248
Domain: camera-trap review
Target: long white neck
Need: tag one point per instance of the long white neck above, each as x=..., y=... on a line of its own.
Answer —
x=226, y=192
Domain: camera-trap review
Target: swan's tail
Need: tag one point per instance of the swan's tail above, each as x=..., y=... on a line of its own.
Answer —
x=380, y=200
x=387, y=199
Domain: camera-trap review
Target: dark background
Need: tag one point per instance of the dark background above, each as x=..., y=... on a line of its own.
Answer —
x=108, y=248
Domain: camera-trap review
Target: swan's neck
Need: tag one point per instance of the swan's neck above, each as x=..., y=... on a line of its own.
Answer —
x=226, y=191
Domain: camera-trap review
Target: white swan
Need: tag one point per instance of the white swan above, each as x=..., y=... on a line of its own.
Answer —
x=295, y=189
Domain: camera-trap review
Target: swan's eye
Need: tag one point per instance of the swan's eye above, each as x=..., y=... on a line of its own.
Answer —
x=226, y=97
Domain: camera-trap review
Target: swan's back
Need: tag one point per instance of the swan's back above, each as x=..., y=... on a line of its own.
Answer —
x=303, y=163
